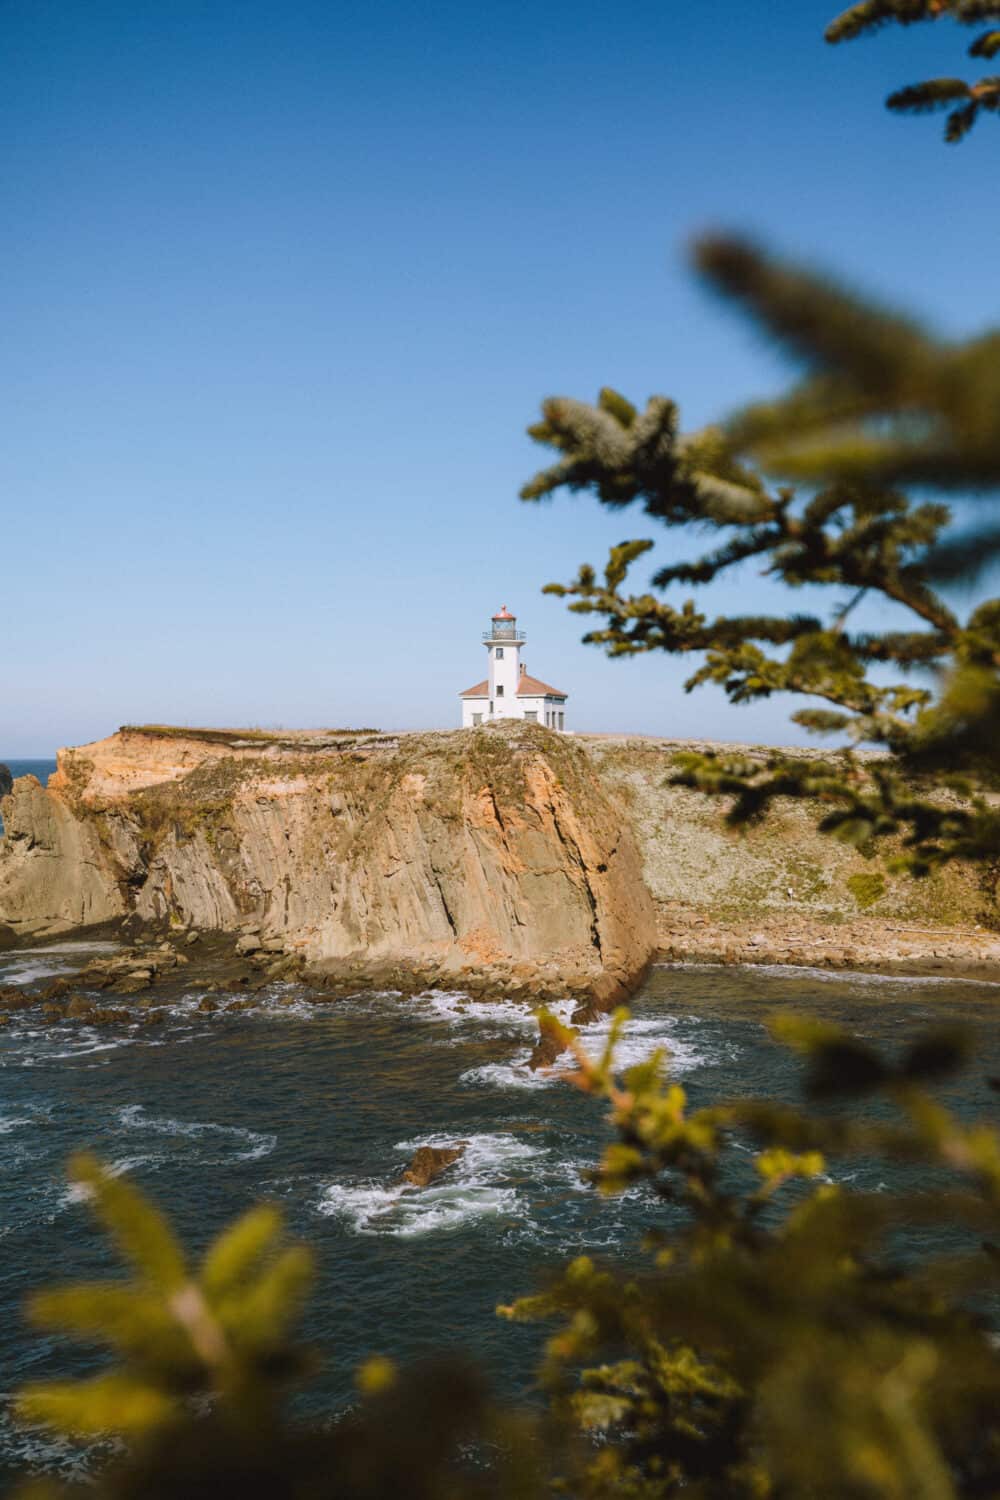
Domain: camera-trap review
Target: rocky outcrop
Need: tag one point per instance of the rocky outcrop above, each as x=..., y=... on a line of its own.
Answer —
x=550, y=1046
x=462, y=854
x=6, y=780
x=54, y=873
x=504, y=858
x=429, y=1162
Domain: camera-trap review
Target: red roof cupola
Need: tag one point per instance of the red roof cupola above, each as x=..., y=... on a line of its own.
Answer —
x=503, y=613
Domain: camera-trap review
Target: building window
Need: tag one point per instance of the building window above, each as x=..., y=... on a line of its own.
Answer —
x=531, y=714
x=562, y=720
x=491, y=707
x=499, y=689
x=499, y=653
x=476, y=720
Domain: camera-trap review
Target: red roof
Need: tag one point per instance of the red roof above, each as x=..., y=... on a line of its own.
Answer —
x=504, y=614
x=527, y=687
x=533, y=687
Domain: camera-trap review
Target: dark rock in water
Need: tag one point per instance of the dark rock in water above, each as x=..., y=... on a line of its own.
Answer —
x=8, y=937
x=585, y=1015
x=430, y=1161
x=55, y=989
x=545, y=1051
x=132, y=984
x=12, y=997
x=6, y=780
x=80, y=1008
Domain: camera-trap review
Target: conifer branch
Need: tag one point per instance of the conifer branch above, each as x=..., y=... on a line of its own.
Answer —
x=937, y=93
x=937, y=410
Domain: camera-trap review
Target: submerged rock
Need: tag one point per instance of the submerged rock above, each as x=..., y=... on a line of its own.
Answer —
x=80, y=1008
x=12, y=997
x=430, y=1161
x=546, y=1050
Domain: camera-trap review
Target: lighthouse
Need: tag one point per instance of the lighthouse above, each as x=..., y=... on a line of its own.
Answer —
x=508, y=691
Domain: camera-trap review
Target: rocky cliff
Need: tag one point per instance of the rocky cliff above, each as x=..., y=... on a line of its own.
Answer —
x=526, y=859
x=444, y=853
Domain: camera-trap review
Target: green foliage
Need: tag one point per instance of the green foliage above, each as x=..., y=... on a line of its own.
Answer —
x=808, y=487
x=938, y=93
x=770, y=1340
x=866, y=889
x=774, y=1343
x=205, y=1360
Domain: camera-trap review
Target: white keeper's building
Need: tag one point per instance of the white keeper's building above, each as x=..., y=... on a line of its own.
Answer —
x=508, y=692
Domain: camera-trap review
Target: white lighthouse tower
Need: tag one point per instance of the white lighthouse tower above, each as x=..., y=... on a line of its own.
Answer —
x=508, y=692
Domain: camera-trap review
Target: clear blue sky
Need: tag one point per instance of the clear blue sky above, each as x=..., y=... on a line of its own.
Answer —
x=283, y=281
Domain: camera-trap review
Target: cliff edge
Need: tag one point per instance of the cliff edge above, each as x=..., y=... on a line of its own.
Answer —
x=356, y=853
x=508, y=857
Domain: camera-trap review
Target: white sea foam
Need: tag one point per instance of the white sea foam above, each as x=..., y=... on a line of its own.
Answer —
x=510, y=1075
x=13, y=1122
x=455, y=1007
x=44, y=962
x=27, y=970
x=32, y=1451
x=833, y=976
x=640, y=1037
x=259, y=1143
x=79, y=1192
x=76, y=946
x=474, y=1187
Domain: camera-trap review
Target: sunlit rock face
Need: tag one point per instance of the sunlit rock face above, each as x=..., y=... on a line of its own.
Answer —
x=450, y=853
x=506, y=857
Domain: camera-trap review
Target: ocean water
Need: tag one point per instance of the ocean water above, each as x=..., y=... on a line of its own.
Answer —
x=43, y=769
x=319, y=1108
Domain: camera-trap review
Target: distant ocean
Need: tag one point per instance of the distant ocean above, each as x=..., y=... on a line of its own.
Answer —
x=43, y=769
x=40, y=768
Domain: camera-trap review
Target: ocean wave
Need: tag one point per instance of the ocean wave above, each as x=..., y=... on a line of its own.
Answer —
x=79, y=1192
x=33, y=1451
x=640, y=1038
x=261, y=1143
x=831, y=976
x=474, y=1187
x=76, y=945
x=27, y=970
x=458, y=1008
x=48, y=961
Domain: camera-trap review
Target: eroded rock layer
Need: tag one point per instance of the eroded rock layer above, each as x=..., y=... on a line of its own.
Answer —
x=447, y=853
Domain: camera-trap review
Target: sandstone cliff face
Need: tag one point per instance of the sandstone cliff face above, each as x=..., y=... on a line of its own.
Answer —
x=52, y=873
x=447, y=852
x=533, y=858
